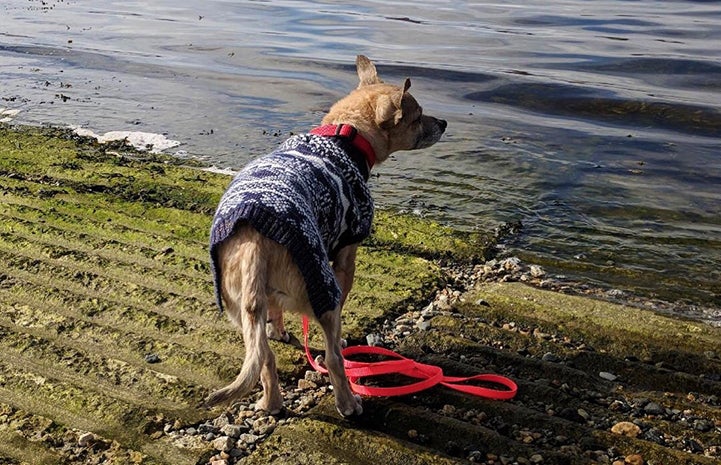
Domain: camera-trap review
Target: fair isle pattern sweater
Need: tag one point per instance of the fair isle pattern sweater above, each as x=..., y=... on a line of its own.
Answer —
x=309, y=196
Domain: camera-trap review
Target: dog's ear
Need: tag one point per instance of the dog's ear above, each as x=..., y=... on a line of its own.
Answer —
x=399, y=97
x=366, y=71
x=389, y=111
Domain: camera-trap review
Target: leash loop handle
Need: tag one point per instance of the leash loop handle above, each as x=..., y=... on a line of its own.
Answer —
x=428, y=375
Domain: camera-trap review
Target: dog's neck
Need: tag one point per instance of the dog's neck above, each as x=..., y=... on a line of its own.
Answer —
x=357, y=146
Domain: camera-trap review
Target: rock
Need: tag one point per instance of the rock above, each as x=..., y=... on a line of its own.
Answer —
x=537, y=271
x=86, y=439
x=448, y=410
x=652, y=408
x=264, y=425
x=233, y=431
x=219, y=462
x=248, y=438
x=207, y=427
x=511, y=264
x=223, y=443
x=608, y=376
x=305, y=385
x=634, y=459
x=703, y=425
x=314, y=377
x=654, y=435
x=536, y=458
x=626, y=428
x=222, y=420
x=423, y=325
x=152, y=358
x=374, y=339
x=583, y=414
x=551, y=358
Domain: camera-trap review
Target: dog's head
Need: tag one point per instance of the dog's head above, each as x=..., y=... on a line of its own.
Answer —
x=387, y=115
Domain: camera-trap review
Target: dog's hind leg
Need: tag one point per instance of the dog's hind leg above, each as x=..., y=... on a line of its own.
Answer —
x=346, y=402
x=244, y=278
x=272, y=400
x=275, y=329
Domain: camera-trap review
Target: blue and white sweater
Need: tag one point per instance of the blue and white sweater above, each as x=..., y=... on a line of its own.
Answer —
x=309, y=196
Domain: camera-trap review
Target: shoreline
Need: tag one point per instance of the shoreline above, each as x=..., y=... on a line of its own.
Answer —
x=110, y=337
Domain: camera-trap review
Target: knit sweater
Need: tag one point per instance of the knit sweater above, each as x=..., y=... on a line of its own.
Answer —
x=309, y=196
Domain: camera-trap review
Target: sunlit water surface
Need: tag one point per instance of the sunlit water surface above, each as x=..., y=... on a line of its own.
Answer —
x=595, y=124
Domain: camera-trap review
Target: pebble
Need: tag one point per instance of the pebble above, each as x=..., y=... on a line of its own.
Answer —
x=248, y=438
x=536, y=458
x=583, y=414
x=652, y=408
x=305, y=385
x=634, y=459
x=374, y=339
x=608, y=376
x=233, y=431
x=626, y=428
x=152, y=358
x=703, y=425
x=223, y=443
x=264, y=425
x=315, y=377
x=511, y=264
x=537, y=271
x=86, y=439
x=551, y=358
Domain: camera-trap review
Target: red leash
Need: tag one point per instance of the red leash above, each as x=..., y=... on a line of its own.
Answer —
x=429, y=375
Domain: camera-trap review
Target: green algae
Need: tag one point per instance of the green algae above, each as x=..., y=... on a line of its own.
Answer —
x=104, y=260
x=623, y=330
x=338, y=443
x=410, y=234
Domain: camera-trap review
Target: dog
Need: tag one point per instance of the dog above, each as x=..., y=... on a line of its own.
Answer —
x=286, y=232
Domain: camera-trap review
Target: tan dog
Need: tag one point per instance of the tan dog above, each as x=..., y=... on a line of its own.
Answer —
x=257, y=278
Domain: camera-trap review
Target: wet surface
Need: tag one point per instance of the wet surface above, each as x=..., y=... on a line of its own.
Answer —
x=595, y=125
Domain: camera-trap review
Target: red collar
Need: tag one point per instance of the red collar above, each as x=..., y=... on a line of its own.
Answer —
x=347, y=131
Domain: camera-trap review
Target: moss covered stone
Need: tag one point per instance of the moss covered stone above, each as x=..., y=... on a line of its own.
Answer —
x=103, y=261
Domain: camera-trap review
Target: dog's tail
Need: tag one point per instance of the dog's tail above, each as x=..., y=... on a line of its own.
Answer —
x=244, y=285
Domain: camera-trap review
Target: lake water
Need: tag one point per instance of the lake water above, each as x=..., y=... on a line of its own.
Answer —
x=595, y=124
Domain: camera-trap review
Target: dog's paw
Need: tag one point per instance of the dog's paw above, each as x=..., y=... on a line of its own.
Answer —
x=273, y=407
x=354, y=406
